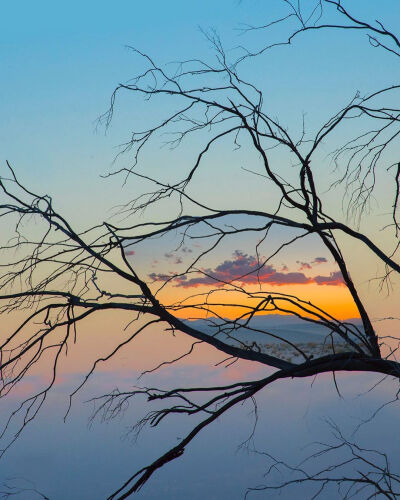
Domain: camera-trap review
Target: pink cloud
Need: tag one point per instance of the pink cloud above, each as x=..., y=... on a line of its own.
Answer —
x=335, y=279
x=309, y=265
x=303, y=265
x=319, y=260
x=160, y=276
x=245, y=269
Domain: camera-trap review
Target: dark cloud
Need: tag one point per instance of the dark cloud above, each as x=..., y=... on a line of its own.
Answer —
x=160, y=276
x=241, y=268
x=335, y=279
x=288, y=279
x=178, y=260
x=244, y=269
x=304, y=265
x=309, y=265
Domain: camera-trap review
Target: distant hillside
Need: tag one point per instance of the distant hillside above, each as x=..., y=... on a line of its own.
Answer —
x=284, y=326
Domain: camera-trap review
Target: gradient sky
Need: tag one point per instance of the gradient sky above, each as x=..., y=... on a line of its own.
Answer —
x=69, y=460
x=59, y=63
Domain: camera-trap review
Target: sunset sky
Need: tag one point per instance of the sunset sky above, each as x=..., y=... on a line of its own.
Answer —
x=61, y=64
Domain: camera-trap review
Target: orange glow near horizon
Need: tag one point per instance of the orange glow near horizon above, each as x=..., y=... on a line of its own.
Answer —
x=334, y=300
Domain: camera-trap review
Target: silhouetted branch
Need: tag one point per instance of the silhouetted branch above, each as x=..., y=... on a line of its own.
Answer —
x=56, y=274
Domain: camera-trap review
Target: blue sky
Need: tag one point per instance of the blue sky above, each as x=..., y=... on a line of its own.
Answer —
x=61, y=60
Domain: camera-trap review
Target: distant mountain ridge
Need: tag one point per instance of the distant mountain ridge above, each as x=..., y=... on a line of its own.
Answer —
x=284, y=326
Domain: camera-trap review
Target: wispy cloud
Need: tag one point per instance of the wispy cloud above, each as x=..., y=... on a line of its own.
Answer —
x=310, y=265
x=304, y=265
x=319, y=260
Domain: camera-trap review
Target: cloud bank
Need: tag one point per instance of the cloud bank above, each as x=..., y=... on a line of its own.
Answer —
x=244, y=269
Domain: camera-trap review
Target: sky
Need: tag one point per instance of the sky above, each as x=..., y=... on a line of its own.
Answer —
x=60, y=65
x=60, y=62
x=71, y=460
